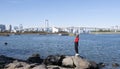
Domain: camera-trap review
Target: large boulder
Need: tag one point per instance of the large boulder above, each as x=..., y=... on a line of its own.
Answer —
x=23, y=65
x=35, y=58
x=79, y=62
x=54, y=60
x=75, y=61
x=16, y=65
x=5, y=60
x=68, y=62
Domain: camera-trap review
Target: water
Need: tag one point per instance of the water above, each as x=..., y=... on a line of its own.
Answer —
x=99, y=48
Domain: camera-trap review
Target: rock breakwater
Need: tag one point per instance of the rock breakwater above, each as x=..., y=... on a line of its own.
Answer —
x=50, y=62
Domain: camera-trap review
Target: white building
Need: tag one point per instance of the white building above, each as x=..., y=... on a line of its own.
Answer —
x=54, y=29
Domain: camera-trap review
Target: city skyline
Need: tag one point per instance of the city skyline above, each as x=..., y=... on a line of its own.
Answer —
x=64, y=13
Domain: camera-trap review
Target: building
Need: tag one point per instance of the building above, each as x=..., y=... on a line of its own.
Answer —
x=20, y=27
x=54, y=30
x=16, y=29
x=10, y=28
x=2, y=28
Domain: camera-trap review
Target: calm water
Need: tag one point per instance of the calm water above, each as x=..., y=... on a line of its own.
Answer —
x=99, y=48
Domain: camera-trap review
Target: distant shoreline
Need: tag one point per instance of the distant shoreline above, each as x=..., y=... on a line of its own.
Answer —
x=40, y=33
x=104, y=32
x=43, y=33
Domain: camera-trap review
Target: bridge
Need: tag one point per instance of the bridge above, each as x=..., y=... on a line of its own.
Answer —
x=81, y=29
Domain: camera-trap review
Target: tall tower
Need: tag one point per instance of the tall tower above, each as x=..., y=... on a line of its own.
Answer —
x=10, y=28
x=47, y=25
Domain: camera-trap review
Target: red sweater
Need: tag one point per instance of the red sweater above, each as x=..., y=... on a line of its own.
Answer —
x=76, y=39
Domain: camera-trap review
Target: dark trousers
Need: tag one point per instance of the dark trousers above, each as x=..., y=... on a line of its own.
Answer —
x=76, y=47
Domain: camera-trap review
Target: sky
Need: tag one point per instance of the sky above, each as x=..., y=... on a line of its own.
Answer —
x=60, y=13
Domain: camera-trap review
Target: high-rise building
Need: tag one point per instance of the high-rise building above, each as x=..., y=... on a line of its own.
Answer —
x=46, y=25
x=20, y=27
x=2, y=28
x=10, y=28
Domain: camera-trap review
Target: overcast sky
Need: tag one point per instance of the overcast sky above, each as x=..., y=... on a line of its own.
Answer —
x=60, y=13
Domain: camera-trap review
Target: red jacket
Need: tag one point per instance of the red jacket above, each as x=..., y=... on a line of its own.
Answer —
x=76, y=39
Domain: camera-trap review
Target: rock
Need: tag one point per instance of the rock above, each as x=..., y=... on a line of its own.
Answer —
x=68, y=62
x=33, y=65
x=5, y=59
x=16, y=65
x=78, y=68
x=5, y=43
x=101, y=65
x=81, y=63
x=1, y=66
x=115, y=65
x=42, y=66
x=61, y=59
x=2, y=63
x=73, y=62
x=54, y=60
x=54, y=67
x=35, y=58
x=27, y=67
x=24, y=65
x=30, y=66
x=93, y=65
x=10, y=66
x=19, y=65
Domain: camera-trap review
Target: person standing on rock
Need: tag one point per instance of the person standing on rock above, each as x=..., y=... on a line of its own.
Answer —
x=76, y=42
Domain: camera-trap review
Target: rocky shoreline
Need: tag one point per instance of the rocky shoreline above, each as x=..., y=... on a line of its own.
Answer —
x=50, y=62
